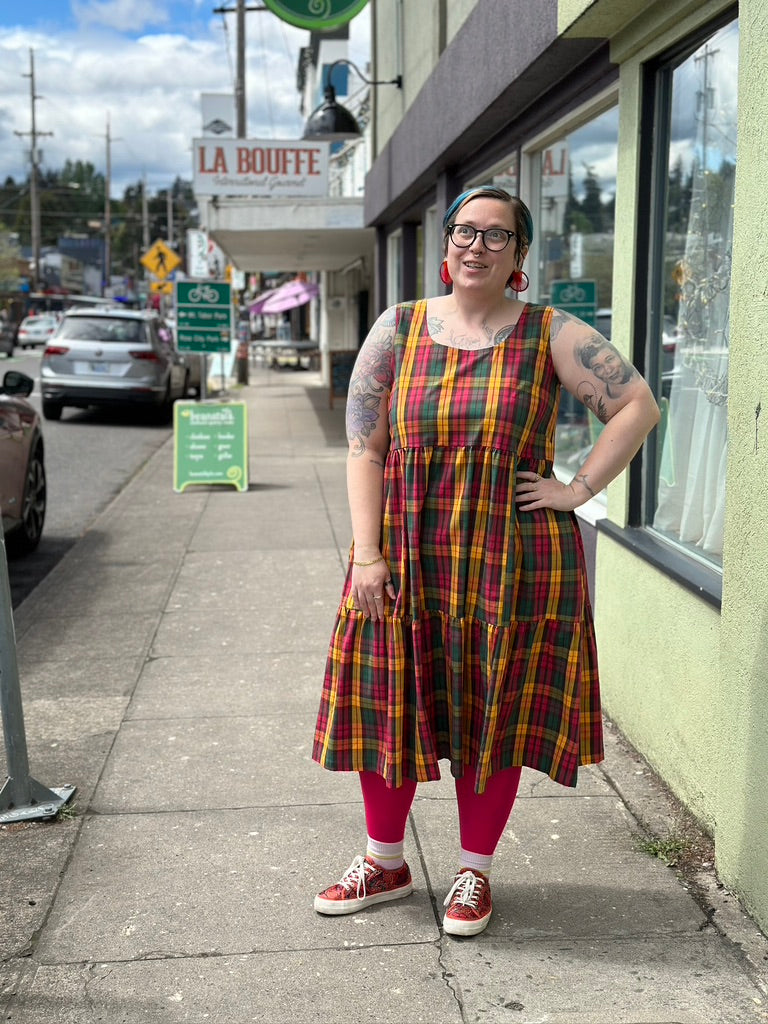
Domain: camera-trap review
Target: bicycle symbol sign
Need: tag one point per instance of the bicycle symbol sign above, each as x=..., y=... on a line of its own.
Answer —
x=577, y=297
x=203, y=293
x=204, y=316
x=573, y=293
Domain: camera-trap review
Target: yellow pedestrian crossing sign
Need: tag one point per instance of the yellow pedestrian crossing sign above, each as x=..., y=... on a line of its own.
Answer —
x=161, y=287
x=160, y=259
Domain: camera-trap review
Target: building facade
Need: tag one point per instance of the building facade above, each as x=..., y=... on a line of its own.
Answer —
x=636, y=134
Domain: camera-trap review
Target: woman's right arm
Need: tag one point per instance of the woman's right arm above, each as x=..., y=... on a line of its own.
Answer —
x=368, y=436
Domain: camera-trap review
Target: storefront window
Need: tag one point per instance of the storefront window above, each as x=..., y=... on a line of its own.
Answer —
x=691, y=290
x=394, y=267
x=576, y=209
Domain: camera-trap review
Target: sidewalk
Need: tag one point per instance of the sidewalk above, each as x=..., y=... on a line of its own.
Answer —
x=171, y=667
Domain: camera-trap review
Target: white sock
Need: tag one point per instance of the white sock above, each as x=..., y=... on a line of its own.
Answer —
x=387, y=855
x=476, y=861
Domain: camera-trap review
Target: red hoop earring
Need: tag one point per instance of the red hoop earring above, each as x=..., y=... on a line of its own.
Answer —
x=518, y=281
x=445, y=274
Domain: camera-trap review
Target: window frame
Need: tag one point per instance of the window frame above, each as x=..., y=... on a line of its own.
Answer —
x=699, y=575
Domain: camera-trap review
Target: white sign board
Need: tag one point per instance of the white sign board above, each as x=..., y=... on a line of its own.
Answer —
x=251, y=167
x=218, y=114
x=197, y=254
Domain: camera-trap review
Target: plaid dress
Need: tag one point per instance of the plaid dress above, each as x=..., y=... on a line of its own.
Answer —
x=487, y=655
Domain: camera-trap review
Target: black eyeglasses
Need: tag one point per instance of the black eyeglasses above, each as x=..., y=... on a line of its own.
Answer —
x=495, y=239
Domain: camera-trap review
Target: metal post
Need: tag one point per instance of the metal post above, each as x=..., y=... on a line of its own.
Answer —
x=108, y=217
x=22, y=798
x=240, y=78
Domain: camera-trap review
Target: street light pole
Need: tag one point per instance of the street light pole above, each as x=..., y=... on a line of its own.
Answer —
x=34, y=199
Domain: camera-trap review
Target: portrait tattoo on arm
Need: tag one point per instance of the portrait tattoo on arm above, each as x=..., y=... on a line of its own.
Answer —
x=371, y=379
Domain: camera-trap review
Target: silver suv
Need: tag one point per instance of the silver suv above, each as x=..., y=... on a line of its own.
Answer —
x=110, y=357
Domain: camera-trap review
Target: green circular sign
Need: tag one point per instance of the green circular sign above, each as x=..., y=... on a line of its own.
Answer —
x=316, y=15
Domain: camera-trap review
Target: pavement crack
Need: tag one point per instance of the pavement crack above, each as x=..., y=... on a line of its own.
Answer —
x=449, y=978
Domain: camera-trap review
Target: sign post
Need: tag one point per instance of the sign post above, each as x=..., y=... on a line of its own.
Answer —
x=203, y=320
x=203, y=316
x=22, y=798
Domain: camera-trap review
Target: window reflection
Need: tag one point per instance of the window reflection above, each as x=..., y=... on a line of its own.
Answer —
x=577, y=198
x=695, y=293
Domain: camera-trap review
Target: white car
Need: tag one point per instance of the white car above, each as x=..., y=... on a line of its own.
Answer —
x=111, y=357
x=36, y=330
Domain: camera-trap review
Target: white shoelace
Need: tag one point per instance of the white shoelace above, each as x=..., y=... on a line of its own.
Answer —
x=466, y=889
x=355, y=876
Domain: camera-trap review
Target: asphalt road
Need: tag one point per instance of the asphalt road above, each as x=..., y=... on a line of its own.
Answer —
x=89, y=457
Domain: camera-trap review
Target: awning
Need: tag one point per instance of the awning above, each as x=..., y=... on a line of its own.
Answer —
x=290, y=234
x=287, y=296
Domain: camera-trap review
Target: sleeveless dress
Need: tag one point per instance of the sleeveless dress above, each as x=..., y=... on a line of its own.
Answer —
x=487, y=655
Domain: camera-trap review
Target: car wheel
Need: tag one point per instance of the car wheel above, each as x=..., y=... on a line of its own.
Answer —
x=52, y=410
x=26, y=538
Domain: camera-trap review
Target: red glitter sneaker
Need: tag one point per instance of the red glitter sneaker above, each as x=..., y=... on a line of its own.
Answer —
x=469, y=904
x=364, y=883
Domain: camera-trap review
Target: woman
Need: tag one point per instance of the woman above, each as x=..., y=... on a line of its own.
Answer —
x=465, y=631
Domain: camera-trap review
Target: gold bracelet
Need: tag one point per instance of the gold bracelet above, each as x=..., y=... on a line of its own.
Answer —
x=372, y=562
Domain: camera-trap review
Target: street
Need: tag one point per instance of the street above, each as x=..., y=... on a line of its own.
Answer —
x=89, y=457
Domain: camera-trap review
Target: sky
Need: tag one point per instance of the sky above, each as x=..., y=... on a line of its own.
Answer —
x=143, y=64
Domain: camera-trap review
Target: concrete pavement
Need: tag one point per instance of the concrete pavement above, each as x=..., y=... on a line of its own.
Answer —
x=171, y=667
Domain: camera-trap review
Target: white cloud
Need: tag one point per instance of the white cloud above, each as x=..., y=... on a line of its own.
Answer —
x=120, y=15
x=150, y=86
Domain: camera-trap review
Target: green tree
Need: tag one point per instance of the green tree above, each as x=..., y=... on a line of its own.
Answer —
x=592, y=204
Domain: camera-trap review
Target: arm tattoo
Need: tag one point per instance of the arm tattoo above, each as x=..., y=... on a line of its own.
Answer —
x=371, y=379
x=559, y=320
x=581, y=478
x=594, y=401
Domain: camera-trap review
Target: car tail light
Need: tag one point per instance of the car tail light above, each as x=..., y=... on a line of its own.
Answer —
x=55, y=350
x=146, y=354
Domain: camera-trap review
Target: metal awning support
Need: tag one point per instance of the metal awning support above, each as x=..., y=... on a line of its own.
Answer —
x=22, y=798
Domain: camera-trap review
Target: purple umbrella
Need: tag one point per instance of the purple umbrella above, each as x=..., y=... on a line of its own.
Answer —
x=255, y=306
x=288, y=296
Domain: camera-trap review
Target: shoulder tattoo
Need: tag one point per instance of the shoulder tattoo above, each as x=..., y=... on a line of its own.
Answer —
x=371, y=380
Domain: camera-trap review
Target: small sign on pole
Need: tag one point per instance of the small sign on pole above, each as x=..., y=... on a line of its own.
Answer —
x=203, y=316
x=210, y=444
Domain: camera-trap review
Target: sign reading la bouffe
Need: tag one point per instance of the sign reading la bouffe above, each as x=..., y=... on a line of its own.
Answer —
x=251, y=167
x=316, y=14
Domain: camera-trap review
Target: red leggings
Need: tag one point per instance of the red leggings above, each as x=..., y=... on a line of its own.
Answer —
x=482, y=818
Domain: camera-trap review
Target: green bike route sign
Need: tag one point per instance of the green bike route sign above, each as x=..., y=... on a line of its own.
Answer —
x=576, y=297
x=316, y=15
x=210, y=444
x=203, y=316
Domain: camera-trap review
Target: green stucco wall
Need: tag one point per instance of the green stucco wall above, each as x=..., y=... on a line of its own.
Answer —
x=659, y=652
x=688, y=684
x=742, y=816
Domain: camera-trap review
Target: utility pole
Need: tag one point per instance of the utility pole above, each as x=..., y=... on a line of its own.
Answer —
x=169, y=214
x=144, y=216
x=240, y=72
x=34, y=199
x=240, y=82
x=108, y=217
